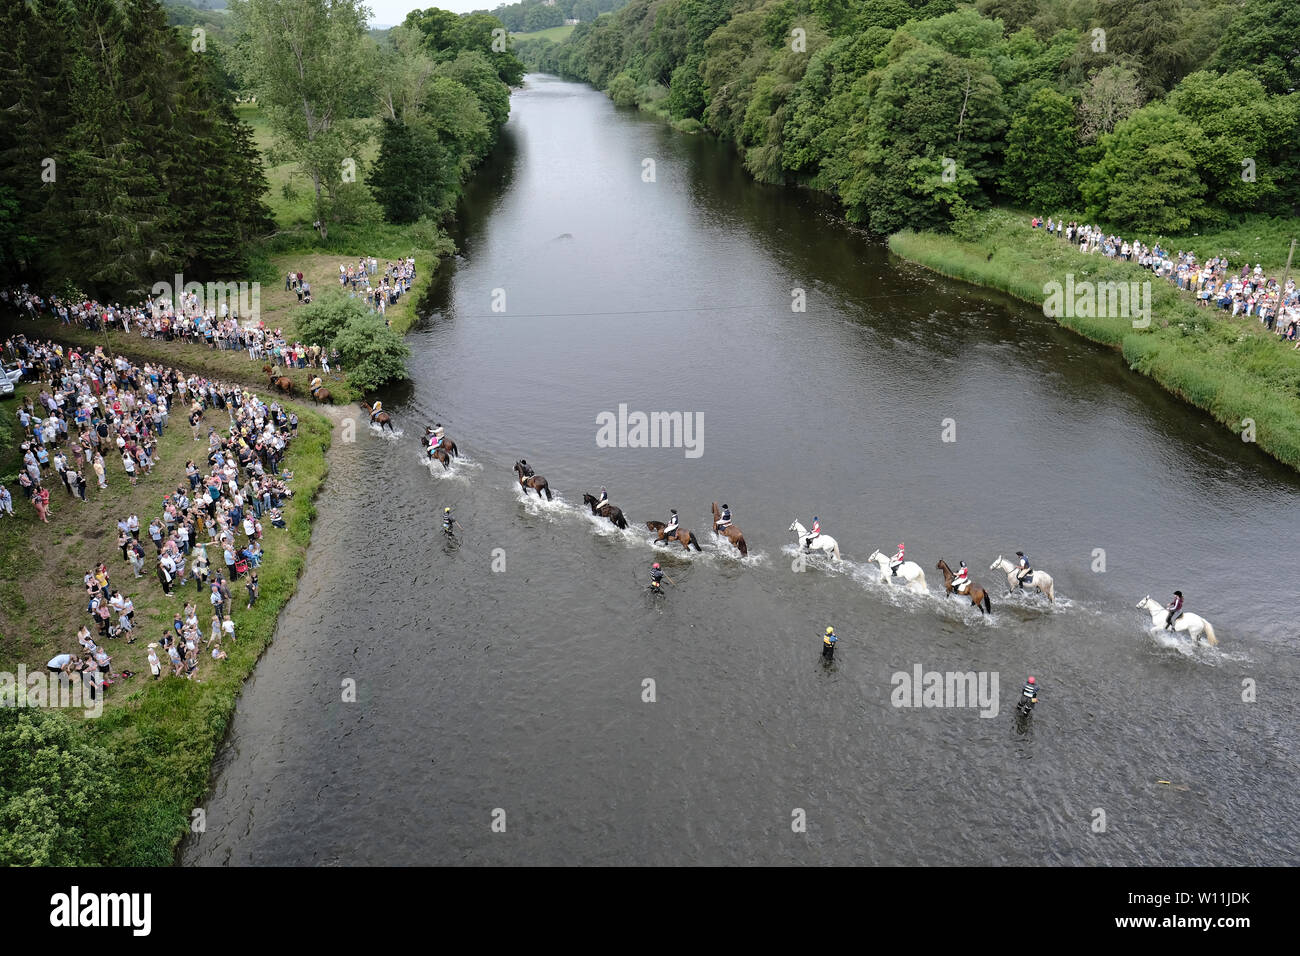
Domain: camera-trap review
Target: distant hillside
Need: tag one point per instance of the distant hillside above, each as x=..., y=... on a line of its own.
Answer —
x=532, y=16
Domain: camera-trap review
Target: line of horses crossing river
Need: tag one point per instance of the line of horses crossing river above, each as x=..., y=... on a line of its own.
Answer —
x=1037, y=588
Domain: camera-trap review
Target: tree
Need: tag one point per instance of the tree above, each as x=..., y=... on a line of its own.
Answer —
x=622, y=89
x=1147, y=175
x=1264, y=39
x=1112, y=95
x=933, y=134
x=309, y=63
x=372, y=353
x=1040, y=167
x=54, y=791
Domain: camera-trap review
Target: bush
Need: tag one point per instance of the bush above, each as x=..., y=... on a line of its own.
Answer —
x=322, y=321
x=372, y=352
x=54, y=788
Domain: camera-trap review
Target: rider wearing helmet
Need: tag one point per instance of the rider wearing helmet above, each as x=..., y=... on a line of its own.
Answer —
x=1023, y=570
x=896, y=561
x=724, y=519
x=604, y=498
x=527, y=468
x=671, y=527
x=961, y=581
x=1175, y=609
x=375, y=409
x=813, y=532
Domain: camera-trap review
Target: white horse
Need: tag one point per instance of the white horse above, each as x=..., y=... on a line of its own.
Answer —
x=909, y=572
x=1193, y=624
x=1039, y=579
x=823, y=542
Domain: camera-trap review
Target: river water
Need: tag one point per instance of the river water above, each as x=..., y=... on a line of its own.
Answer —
x=502, y=677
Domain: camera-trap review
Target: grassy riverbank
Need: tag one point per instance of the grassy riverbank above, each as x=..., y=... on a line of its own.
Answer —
x=160, y=736
x=1232, y=368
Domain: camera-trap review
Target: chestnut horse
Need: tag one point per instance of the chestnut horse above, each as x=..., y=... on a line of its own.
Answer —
x=381, y=419
x=683, y=536
x=978, y=596
x=613, y=512
x=536, y=482
x=322, y=395
x=730, y=532
x=280, y=383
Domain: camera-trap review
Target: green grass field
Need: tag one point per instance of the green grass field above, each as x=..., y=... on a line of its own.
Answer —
x=554, y=34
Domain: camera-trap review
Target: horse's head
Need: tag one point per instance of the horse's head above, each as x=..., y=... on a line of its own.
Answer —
x=996, y=564
x=588, y=499
x=942, y=565
x=875, y=555
x=1144, y=602
x=795, y=526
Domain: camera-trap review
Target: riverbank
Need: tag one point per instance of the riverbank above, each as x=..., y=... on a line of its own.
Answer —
x=159, y=737
x=1232, y=368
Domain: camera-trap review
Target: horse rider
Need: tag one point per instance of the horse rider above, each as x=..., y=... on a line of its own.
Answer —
x=656, y=577
x=375, y=409
x=961, y=580
x=813, y=532
x=724, y=520
x=448, y=521
x=1175, y=609
x=828, y=644
x=435, y=437
x=604, y=498
x=896, y=561
x=526, y=468
x=315, y=384
x=671, y=529
x=1023, y=570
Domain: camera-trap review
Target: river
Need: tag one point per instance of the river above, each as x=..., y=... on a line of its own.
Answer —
x=503, y=677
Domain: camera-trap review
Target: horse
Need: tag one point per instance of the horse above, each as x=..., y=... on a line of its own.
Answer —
x=909, y=572
x=1036, y=579
x=444, y=453
x=613, y=512
x=280, y=383
x=683, y=536
x=823, y=542
x=978, y=596
x=730, y=532
x=1193, y=624
x=381, y=419
x=536, y=482
x=321, y=395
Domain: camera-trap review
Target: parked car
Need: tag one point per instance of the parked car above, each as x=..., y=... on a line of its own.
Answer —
x=6, y=388
x=12, y=374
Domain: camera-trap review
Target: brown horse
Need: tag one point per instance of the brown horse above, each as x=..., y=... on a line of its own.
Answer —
x=381, y=419
x=322, y=396
x=730, y=532
x=444, y=452
x=613, y=512
x=280, y=383
x=536, y=482
x=978, y=596
x=681, y=535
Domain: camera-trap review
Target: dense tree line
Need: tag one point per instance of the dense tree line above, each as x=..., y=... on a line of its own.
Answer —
x=122, y=158
x=1155, y=114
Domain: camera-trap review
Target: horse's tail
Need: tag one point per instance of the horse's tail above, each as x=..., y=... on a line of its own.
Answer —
x=622, y=521
x=1209, y=633
x=837, y=551
x=546, y=488
x=1051, y=592
x=988, y=605
x=744, y=548
x=694, y=542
